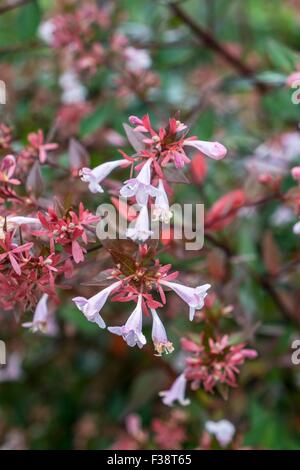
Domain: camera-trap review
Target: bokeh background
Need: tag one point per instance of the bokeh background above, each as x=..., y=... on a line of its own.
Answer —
x=81, y=388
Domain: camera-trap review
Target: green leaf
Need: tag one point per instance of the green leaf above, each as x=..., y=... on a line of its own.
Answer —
x=96, y=120
x=28, y=20
x=281, y=56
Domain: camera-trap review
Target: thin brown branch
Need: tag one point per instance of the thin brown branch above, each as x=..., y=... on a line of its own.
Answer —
x=261, y=279
x=11, y=5
x=206, y=37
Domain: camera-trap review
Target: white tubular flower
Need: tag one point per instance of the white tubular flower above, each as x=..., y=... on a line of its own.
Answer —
x=46, y=32
x=159, y=335
x=19, y=220
x=12, y=221
x=141, y=231
x=40, y=317
x=222, y=430
x=161, y=209
x=91, y=307
x=193, y=296
x=96, y=175
x=176, y=393
x=296, y=228
x=132, y=330
x=213, y=150
x=140, y=187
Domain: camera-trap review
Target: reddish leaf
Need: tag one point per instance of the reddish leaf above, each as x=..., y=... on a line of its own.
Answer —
x=78, y=156
x=271, y=255
x=223, y=212
x=77, y=252
x=34, y=182
x=198, y=168
x=135, y=138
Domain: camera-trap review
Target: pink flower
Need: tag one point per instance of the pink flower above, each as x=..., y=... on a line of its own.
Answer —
x=213, y=150
x=159, y=335
x=296, y=173
x=161, y=209
x=40, y=317
x=170, y=433
x=137, y=59
x=95, y=176
x=68, y=230
x=176, y=393
x=91, y=307
x=215, y=363
x=7, y=169
x=140, y=187
x=193, y=296
x=14, y=253
x=141, y=231
x=293, y=80
x=132, y=330
x=36, y=140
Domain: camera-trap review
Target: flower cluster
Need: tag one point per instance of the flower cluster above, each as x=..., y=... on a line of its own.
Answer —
x=87, y=39
x=37, y=247
x=217, y=363
x=134, y=280
x=157, y=150
x=213, y=359
x=173, y=432
x=68, y=230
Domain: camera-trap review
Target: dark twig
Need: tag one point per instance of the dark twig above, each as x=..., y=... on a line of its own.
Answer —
x=11, y=5
x=206, y=37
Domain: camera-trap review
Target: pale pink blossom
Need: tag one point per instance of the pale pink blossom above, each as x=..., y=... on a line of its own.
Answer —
x=96, y=175
x=193, y=296
x=140, y=187
x=296, y=173
x=137, y=59
x=213, y=150
x=92, y=306
x=140, y=231
x=176, y=392
x=13, y=221
x=46, y=32
x=293, y=80
x=161, y=210
x=40, y=317
x=159, y=335
x=132, y=330
x=223, y=431
x=20, y=220
x=7, y=169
